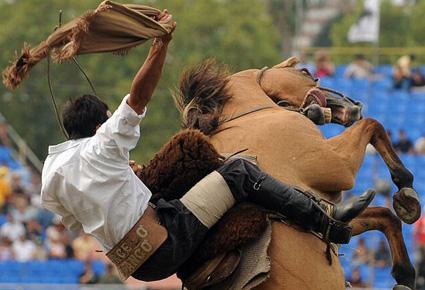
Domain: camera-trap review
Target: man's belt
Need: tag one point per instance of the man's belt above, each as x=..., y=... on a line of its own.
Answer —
x=143, y=239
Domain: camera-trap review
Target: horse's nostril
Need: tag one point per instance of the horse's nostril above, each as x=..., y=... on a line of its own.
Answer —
x=360, y=104
x=355, y=113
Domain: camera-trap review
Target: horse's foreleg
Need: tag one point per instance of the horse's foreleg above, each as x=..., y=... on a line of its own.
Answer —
x=383, y=220
x=351, y=145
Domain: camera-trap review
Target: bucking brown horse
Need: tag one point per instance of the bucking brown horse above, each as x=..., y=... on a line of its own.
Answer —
x=241, y=112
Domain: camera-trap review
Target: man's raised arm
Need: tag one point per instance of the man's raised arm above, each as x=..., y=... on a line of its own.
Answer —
x=147, y=77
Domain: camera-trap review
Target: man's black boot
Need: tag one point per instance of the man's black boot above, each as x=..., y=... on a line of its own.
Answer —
x=248, y=182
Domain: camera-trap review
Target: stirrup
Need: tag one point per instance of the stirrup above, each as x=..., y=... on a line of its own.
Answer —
x=338, y=232
x=335, y=231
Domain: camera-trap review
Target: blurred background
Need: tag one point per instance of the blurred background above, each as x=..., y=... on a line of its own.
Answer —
x=371, y=50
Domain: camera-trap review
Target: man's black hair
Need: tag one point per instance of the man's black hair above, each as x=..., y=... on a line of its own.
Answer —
x=81, y=116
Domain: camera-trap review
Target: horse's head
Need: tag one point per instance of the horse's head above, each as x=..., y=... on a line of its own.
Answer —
x=297, y=89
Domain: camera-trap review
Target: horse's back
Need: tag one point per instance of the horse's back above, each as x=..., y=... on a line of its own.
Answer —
x=299, y=262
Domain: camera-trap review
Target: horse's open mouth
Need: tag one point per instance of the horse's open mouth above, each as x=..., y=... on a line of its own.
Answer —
x=335, y=107
x=315, y=96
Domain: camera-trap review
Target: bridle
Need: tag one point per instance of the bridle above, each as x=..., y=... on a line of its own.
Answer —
x=286, y=105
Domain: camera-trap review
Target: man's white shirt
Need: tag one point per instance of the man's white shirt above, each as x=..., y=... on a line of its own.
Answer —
x=89, y=183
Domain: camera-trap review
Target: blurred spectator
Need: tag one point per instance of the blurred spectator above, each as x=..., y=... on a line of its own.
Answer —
x=356, y=280
x=382, y=186
x=324, y=65
x=362, y=254
x=4, y=137
x=69, y=250
x=403, y=144
x=88, y=276
x=55, y=249
x=56, y=241
x=84, y=246
x=23, y=249
x=34, y=230
x=420, y=145
x=21, y=209
x=44, y=217
x=418, y=80
x=382, y=255
x=16, y=184
x=402, y=72
x=420, y=268
x=305, y=62
x=6, y=252
x=419, y=233
x=12, y=229
x=40, y=253
x=110, y=276
x=35, y=186
x=5, y=189
x=360, y=68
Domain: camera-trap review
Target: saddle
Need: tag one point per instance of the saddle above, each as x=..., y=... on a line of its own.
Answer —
x=214, y=272
x=243, y=268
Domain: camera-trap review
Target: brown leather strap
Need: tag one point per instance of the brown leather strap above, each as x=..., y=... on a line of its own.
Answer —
x=143, y=239
x=253, y=110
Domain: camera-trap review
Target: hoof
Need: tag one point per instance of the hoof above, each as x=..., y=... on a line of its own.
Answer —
x=401, y=287
x=406, y=205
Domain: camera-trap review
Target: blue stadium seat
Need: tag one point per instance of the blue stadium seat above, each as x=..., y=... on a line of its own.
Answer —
x=382, y=278
x=75, y=266
x=51, y=271
x=5, y=155
x=3, y=219
x=98, y=267
x=327, y=82
x=385, y=69
x=339, y=70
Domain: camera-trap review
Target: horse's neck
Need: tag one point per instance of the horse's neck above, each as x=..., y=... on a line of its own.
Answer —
x=246, y=94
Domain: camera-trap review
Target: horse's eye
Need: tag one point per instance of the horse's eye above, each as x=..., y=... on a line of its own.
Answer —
x=308, y=74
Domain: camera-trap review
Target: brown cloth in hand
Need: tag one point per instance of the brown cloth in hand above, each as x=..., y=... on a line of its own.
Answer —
x=112, y=27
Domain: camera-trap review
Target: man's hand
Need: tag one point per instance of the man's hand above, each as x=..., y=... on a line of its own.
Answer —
x=164, y=16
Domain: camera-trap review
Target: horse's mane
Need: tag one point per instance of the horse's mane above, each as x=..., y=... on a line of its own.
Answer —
x=202, y=94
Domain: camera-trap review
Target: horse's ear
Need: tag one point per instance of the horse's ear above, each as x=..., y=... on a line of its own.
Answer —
x=290, y=62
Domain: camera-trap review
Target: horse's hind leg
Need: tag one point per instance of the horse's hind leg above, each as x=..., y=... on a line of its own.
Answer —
x=351, y=145
x=383, y=220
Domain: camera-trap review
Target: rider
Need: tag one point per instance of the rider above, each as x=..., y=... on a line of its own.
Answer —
x=87, y=180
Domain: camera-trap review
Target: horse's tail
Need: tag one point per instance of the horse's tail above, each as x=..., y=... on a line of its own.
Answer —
x=202, y=94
